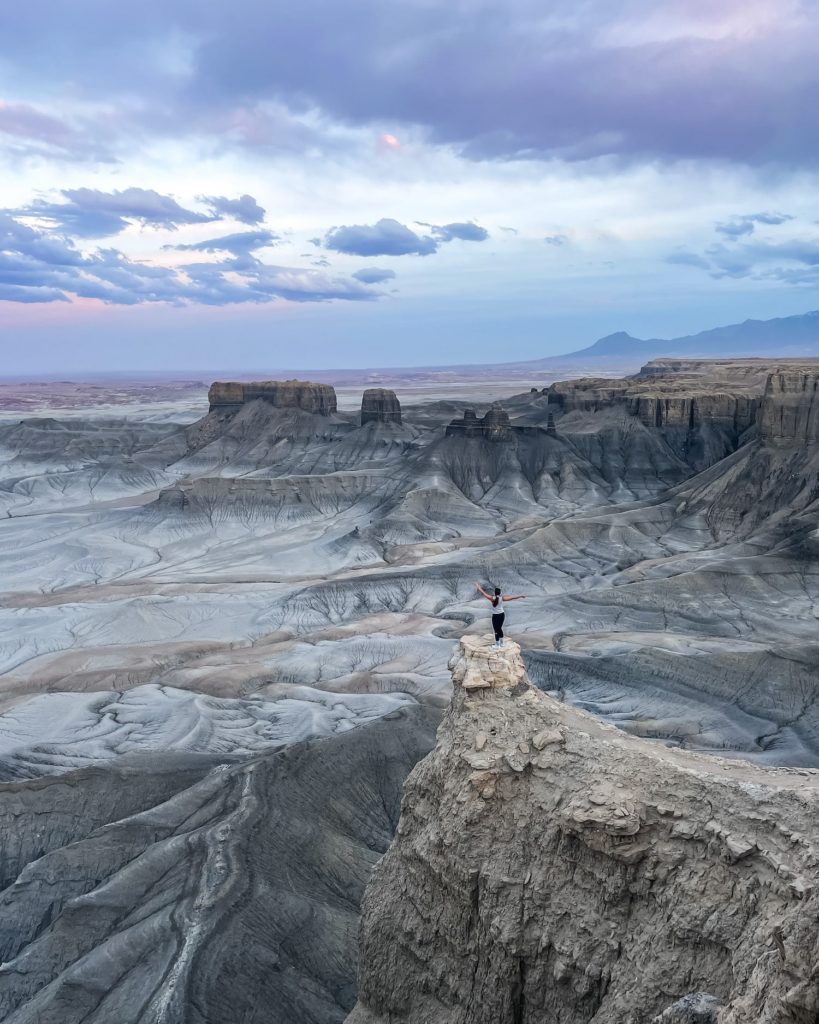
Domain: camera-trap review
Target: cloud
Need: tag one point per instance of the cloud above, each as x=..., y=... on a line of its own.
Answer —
x=38, y=267
x=556, y=239
x=27, y=131
x=635, y=80
x=35, y=245
x=263, y=283
x=374, y=275
x=466, y=232
x=790, y=261
x=35, y=293
x=27, y=122
x=91, y=213
x=297, y=285
x=684, y=258
x=745, y=225
x=244, y=209
x=391, y=238
x=43, y=266
x=386, y=238
x=240, y=242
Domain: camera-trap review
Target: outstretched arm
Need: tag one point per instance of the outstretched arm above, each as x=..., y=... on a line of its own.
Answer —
x=482, y=591
x=516, y=597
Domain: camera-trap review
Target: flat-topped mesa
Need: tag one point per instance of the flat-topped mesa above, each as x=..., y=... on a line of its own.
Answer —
x=230, y=396
x=380, y=405
x=664, y=401
x=547, y=866
x=494, y=426
x=588, y=394
x=790, y=407
x=735, y=413
x=734, y=369
x=226, y=395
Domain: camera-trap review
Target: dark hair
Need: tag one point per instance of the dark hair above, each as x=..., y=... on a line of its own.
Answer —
x=495, y=599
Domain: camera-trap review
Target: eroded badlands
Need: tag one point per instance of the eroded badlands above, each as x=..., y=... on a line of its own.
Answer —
x=244, y=622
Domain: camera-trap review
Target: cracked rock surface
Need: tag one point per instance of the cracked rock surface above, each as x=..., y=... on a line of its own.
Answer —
x=548, y=867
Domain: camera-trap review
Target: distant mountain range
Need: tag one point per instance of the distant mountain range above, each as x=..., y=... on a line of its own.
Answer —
x=620, y=353
x=784, y=336
x=789, y=336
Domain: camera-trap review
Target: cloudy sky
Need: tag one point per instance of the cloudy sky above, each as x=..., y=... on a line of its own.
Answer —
x=260, y=184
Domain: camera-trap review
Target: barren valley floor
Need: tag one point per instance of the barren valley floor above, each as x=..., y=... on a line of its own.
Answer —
x=194, y=610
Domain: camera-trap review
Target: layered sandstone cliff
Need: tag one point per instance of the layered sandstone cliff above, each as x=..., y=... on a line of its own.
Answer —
x=665, y=401
x=790, y=407
x=735, y=370
x=283, y=394
x=773, y=480
x=547, y=867
x=380, y=405
x=493, y=426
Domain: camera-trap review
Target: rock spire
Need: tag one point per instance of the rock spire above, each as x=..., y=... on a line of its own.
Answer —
x=494, y=426
x=379, y=405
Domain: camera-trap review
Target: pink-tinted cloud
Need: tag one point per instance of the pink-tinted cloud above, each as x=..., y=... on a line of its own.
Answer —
x=496, y=78
x=27, y=122
x=39, y=266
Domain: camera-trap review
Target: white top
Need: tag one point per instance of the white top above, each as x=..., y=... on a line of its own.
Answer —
x=497, y=609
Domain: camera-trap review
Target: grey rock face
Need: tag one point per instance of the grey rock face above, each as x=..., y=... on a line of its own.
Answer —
x=177, y=889
x=790, y=407
x=549, y=868
x=493, y=426
x=319, y=399
x=379, y=405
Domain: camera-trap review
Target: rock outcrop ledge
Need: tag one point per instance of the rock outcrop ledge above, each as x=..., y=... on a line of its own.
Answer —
x=548, y=867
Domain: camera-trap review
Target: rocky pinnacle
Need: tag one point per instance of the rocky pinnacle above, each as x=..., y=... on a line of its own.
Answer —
x=379, y=405
x=494, y=426
x=548, y=867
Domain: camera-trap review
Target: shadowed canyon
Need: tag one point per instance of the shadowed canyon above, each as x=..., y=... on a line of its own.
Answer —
x=224, y=646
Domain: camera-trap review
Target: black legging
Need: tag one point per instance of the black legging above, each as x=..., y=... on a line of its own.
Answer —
x=497, y=625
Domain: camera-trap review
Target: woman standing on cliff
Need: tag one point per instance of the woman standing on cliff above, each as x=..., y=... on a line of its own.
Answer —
x=498, y=614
